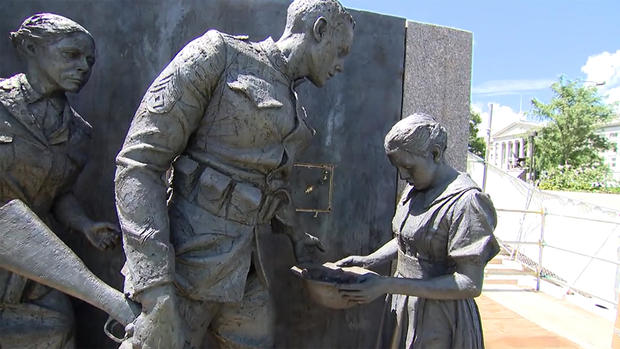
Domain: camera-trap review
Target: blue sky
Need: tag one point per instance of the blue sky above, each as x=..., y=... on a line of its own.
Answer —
x=522, y=46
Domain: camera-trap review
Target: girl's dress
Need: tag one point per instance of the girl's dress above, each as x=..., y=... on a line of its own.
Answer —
x=435, y=230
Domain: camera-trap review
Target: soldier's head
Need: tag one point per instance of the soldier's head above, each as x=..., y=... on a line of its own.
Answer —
x=325, y=30
x=59, y=52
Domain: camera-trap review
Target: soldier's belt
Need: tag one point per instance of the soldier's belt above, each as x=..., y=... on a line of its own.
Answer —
x=223, y=196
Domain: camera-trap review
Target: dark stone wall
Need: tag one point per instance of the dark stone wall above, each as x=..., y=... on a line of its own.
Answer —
x=352, y=114
x=136, y=39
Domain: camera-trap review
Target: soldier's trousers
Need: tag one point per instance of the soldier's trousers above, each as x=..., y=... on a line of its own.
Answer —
x=246, y=324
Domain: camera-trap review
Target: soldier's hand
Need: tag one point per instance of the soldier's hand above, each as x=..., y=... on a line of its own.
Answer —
x=102, y=235
x=160, y=324
x=306, y=246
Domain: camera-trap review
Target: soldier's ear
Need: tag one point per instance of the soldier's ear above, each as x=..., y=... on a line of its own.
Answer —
x=319, y=29
x=436, y=152
x=28, y=48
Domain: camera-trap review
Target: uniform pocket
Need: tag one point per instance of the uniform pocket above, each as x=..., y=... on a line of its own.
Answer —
x=245, y=202
x=213, y=187
x=185, y=172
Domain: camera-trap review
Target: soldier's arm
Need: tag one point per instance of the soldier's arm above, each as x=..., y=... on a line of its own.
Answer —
x=169, y=113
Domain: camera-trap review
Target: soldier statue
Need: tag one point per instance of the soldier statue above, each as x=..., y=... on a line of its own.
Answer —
x=225, y=116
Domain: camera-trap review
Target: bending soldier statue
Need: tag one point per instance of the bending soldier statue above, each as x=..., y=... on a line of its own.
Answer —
x=225, y=115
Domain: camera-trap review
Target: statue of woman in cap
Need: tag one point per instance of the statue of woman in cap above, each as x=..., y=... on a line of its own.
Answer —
x=43, y=148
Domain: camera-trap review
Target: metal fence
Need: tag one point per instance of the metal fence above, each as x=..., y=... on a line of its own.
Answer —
x=566, y=241
x=514, y=247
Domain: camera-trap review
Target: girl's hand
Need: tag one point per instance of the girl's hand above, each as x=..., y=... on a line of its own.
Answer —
x=354, y=261
x=366, y=291
x=102, y=235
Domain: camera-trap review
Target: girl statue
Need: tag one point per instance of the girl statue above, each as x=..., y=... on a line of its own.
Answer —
x=443, y=228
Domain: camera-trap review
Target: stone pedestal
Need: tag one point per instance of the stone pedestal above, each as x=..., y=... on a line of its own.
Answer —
x=438, y=82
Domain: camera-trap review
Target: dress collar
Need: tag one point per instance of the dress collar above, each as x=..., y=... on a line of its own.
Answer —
x=462, y=182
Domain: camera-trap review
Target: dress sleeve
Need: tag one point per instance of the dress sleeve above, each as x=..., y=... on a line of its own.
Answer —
x=168, y=115
x=471, y=232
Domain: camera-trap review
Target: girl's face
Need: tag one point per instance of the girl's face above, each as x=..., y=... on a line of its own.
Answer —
x=417, y=170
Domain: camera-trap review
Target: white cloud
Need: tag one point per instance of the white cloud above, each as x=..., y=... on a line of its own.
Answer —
x=503, y=116
x=508, y=87
x=605, y=67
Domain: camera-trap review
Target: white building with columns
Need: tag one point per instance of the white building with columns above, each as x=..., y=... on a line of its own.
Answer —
x=508, y=146
x=611, y=157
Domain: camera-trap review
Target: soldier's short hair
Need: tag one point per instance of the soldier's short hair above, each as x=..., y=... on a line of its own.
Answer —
x=44, y=28
x=416, y=134
x=302, y=14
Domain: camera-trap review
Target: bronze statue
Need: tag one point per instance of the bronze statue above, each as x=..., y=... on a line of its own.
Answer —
x=225, y=115
x=443, y=230
x=43, y=148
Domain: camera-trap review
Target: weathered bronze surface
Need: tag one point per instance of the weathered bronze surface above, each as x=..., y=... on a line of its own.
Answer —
x=225, y=116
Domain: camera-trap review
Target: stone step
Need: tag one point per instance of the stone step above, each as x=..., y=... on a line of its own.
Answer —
x=503, y=281
x=501, y=287
x=506, y=265
x=500, y=281
x=496, y=260
x=507, y=271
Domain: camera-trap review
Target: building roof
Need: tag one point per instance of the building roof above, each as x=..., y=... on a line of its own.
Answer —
x=517, y=129
x=613, y=123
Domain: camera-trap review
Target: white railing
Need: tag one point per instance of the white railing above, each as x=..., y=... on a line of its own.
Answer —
x=570, y=242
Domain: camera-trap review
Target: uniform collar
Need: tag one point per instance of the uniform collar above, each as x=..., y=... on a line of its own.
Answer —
x=16, y=94
x=276, y=57
x=30, y=94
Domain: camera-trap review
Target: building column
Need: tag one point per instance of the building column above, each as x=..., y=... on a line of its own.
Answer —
x=511, y=156
x=503, y=156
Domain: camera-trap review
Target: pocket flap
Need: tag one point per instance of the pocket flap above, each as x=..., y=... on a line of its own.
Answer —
x=213, y=184
x=257, y=90
x=245, y=202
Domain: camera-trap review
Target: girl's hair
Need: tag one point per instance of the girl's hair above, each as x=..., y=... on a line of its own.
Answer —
x=44, y=28
x=416, y=134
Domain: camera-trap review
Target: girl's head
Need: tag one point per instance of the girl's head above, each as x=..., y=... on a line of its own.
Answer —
x=416, y=134
x=415, y=146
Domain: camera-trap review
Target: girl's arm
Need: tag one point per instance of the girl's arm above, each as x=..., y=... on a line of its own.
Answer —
x=385, y=253
x=465, y=282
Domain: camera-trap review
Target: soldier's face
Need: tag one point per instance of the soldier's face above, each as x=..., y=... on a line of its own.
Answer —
x=327, y=58
x=66, y=64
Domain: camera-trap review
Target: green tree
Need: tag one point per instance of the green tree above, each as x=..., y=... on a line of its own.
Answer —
x=476, y=144
x=572, y=116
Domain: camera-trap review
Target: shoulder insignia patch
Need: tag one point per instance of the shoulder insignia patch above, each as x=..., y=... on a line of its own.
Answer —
x=163, y=93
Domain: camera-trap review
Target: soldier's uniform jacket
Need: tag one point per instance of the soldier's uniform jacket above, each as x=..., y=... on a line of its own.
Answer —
x=225, y=114
x=38, y=164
